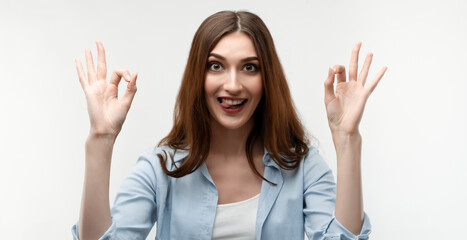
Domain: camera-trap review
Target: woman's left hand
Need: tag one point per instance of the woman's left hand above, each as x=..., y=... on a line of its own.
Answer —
x=345, y=103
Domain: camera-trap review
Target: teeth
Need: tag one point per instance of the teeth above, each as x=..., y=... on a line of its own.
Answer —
x=232, y=102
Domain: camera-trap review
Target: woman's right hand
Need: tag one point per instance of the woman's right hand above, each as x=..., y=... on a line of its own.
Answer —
x=106, y=112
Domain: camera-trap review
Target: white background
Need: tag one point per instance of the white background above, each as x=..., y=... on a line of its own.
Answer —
x=414, y=126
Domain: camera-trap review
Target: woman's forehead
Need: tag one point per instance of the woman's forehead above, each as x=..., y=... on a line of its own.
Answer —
x=235, y=45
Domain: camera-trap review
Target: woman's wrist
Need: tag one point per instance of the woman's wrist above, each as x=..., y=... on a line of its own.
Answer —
x=99, y=150
x=346, y=143
x=102, y=142
x=344, y=136
x=99, y=136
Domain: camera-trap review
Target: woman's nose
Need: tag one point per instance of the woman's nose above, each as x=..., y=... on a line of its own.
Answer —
x=233, y=83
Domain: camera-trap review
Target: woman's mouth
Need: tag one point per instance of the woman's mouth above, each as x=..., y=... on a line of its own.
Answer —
x=231, y=105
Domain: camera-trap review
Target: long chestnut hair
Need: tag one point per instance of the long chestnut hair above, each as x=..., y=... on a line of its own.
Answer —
x=275, y=118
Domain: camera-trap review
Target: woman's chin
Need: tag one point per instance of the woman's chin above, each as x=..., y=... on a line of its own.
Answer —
x=236, y=124
x=232, y=125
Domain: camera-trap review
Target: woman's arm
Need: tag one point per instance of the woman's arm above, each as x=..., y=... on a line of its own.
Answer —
x=107, y=114
x=95, y=216
x=349, y=199
x=344, y=105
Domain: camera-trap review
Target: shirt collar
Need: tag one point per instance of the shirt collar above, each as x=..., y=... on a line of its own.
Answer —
x=182, y=154
x=267, y=159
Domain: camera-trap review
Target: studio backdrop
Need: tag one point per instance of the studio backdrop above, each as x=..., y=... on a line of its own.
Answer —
x=414, y=126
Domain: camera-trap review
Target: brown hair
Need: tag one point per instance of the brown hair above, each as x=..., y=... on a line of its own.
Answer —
x=283, y=134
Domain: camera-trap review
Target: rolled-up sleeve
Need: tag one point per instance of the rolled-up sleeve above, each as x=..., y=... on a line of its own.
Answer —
x=319, y=203
x=337, y=231
x=109, y=234
x=134, y=210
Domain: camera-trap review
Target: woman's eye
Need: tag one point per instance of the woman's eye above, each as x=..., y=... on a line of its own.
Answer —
x=214, y=66
x=250, y=68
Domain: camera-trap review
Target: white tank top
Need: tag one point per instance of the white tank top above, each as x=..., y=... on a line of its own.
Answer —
x=236, y=221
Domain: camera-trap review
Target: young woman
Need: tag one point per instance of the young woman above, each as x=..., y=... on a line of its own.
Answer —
x=236, y=164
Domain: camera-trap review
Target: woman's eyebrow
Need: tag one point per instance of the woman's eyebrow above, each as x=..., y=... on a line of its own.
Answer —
x=243, y=60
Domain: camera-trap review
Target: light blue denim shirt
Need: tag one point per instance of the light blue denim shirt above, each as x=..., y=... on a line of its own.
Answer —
x=303, y=201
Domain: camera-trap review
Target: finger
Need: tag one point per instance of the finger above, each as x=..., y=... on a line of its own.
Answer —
x=81, y=75
x=340, y=71
x=372, y=85
x=366, y=67
x=329, y=86
x=353, y=67
x=101, y=65
x=117, y=76
x=130, y=90
x=90, y=67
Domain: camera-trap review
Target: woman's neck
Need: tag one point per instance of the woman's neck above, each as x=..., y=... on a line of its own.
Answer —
x=229, y=144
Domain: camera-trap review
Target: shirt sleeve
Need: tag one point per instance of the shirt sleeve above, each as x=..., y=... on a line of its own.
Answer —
x=320, y=200
x=135, y=208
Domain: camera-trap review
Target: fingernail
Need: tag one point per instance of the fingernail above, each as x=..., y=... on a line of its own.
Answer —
x=127, y=77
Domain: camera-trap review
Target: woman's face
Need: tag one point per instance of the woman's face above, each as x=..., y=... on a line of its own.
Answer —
x=233, y=84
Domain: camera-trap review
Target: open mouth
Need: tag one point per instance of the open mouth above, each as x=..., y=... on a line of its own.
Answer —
x=231, y=103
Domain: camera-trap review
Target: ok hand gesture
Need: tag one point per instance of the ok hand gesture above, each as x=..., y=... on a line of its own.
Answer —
x=345, y=103
x=106, y=112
